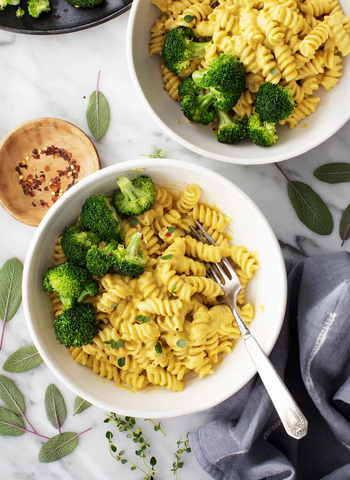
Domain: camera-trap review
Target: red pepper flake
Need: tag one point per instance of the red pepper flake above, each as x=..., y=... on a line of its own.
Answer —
x=35, y=151
x=84, y=97
x=46, y=189
x=77, y=168
x=57, y=17
x=168, y=234
x=30, y=176
x=31, y=193
x=34, y=204
x=47, y=168
x=43, y=176
x=36, y=157
x=18, y=170
x=23, y=165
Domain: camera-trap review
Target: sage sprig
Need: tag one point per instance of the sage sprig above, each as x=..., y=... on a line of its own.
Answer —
x=333, y=173
x=183, y=446
x=10, y=291
x=98, y=113
x=55, y=407
x=12, y=420
x=309, y=206
x=59, y=446
x=135, y=433
x=344, y=226
x=80, y=405
x=22, y=360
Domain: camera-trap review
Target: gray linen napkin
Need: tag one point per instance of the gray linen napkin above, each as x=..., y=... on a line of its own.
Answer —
x=246, y=440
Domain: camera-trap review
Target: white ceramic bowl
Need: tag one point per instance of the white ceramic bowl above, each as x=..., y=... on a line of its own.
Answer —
x=332, y=112
x=267, y=292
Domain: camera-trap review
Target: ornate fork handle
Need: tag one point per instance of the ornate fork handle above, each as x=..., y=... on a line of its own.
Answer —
x=290, y=414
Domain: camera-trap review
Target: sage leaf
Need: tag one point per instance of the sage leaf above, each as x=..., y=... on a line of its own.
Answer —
x=188, y=18
x=22, y=360
x=10, y=423
x=275, y=72
x=98, y=113
x=58, y=447
x=10, y=288
x=11, y=396
x=55, y=406
x=310, y=208
x=344, y=226
x=333, y=173
x=80, y=405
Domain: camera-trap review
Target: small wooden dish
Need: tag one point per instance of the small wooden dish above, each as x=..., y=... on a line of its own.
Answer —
x=18, y=148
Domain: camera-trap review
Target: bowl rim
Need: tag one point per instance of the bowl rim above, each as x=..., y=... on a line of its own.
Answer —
x=114, y=169
x=306, y=147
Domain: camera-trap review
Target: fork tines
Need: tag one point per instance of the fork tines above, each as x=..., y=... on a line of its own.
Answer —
x=221, y=275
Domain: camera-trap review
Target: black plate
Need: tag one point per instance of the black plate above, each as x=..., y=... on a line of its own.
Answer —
x=63, y=18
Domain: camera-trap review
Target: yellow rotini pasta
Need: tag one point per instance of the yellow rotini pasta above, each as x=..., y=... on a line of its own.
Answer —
x=156, y=328
x=279, y=41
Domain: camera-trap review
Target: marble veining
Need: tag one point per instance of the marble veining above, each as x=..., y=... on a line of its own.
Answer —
x=50, y=76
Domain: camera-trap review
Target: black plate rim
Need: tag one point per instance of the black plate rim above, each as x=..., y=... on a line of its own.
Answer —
x=77, y=28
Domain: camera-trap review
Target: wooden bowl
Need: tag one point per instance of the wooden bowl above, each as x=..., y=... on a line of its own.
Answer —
x=33, y=175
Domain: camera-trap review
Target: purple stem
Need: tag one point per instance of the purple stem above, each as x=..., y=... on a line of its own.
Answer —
x=345, y=236
x=286, y=177
x=26, y=430
x=31, y=426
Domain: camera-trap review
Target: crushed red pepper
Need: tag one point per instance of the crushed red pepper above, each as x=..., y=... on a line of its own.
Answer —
x=31, y=183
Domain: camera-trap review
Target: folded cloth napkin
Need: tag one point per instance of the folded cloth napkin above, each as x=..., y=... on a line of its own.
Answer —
x=246, y=440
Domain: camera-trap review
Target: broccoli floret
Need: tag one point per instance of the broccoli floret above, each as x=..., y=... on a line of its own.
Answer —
x=99, y=260
x=198, y=109
x=225, y=80
x=274, y=103
x=262, y=133
x=188, y=86
x=180, y=49
x=20, y=12
x=127, y=261
x=72, y=283
x=100, y=216
x=85, y=3
x=37, y=7
x=77, y=326
x=231, y=130
x=134, y=197
x=76, y=242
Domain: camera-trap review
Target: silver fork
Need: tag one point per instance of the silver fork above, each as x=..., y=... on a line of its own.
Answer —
x=290, y=414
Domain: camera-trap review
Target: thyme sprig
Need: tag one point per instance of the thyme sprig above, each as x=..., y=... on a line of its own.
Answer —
x=134, y=433
x=182, y=447
x=157, y=426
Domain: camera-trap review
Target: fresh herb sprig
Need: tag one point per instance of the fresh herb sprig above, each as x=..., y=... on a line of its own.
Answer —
x=309, y=206
x=156, y=426
x=13, y=418
x=183, y=446
x=155, y=153
x=10, y=291
x=135, y=433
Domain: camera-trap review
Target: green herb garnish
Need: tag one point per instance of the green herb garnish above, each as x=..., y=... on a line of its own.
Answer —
x=181, y=343
x=121, y=362
x=155, y=153
x=188, y=18
x=275, y=72
x=158, y=348
x=182, y=447
x=114, y=344
x=142, y=319
x=167, y=257
x=171, y=229
x=134, y=221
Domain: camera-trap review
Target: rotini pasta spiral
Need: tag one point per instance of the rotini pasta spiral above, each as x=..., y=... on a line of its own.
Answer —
x=305, y=108
x=210, y=217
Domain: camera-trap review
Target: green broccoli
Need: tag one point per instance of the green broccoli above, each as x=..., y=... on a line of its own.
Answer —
x=225, y=80
x=37, y=7
x=99, y=260
x=188, y=86
x=261, y=133
x=230, y=130
x=4, y=3
x=20, y=12
x=274, y=103
x=198, y=108
x=85, y=3
x=76, y=242
x=134, y=197
x=127, y=261
x=77, y=326
x=70, y=282
x=180, y=49
x=100, y=216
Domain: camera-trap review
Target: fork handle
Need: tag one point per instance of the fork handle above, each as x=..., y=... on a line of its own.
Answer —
x=290, y=414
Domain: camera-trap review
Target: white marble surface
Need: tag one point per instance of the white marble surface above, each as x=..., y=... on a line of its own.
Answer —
x=49, y=76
